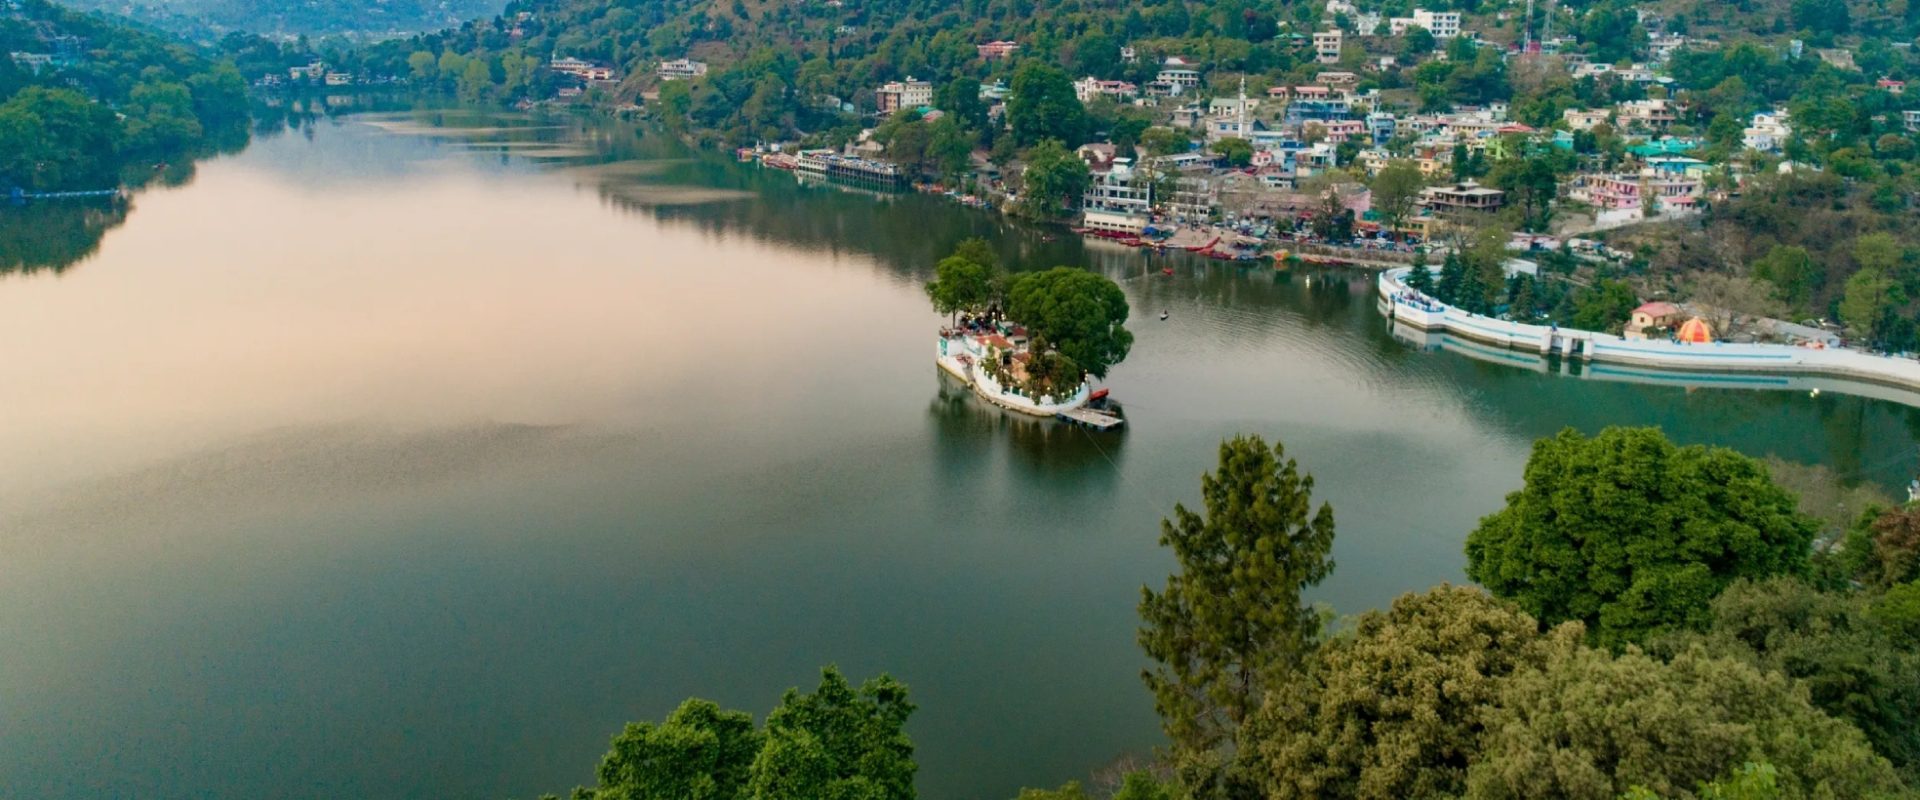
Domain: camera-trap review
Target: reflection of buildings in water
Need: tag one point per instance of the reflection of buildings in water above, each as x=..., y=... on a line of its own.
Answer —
x=1535, y=362
x=1051, y=444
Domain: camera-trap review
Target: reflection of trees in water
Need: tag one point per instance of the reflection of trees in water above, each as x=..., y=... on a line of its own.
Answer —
x=1859, y=438
x=56, y=235
x=966, y=424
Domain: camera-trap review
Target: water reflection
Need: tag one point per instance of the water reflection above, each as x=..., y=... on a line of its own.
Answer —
x=56, y=235
x=1038, y=446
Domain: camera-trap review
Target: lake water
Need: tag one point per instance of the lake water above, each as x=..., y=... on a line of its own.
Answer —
x=380, y=461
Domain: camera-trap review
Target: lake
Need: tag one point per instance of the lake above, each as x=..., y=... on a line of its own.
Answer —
x=412, y=455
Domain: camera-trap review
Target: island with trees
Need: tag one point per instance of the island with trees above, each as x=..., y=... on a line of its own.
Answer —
x=1032, y=343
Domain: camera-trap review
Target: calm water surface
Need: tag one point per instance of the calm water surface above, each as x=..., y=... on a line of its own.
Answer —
x=373, y=463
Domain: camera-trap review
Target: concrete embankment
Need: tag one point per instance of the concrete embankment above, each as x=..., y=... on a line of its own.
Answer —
x=1409, y=308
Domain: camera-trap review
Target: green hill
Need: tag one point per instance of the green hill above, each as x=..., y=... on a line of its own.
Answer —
x=206, y=20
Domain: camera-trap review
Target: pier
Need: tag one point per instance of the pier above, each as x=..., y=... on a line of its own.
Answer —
x=1091, y=418
x=21, y=196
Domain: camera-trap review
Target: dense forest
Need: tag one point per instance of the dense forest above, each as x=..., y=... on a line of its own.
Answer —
x=208, y=20
x=111, y=104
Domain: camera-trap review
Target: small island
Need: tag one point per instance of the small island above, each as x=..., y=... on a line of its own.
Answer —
x=1032, y=344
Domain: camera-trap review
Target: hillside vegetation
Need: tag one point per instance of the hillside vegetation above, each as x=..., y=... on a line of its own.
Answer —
x=206, y=20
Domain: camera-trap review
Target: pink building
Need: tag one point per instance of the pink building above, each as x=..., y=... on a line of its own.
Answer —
x=1340, y=130
x=1000, y=49
x=1629, y=191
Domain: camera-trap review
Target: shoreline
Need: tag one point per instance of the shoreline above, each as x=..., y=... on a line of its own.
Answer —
x=1576, y=347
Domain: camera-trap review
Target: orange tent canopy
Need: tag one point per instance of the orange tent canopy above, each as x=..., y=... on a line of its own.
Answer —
x=1696, y=331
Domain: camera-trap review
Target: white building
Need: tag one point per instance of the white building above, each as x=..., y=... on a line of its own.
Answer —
x=896, y=95
x=681, y=68
x=1584, y=119
x=1090, y=87
x=1769, y=131
x=1663, y=47
x=1442, y=24
x=32, y=62
x=1178, y=81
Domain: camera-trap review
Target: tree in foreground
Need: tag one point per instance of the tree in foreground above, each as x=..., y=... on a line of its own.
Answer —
x=838, y=743
x=1397, y=709
x=1593, y=726
x=1853, y=665
x=1634, y=536
x=701, y=752
x=1079, y=312
x=1230, y=624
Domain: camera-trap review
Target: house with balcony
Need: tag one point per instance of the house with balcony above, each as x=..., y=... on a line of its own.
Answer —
x=1090, y=87
x=1466, y=196
x=1649, y=115
x=681, y=69
x=1174, y=81
x=1648, y=191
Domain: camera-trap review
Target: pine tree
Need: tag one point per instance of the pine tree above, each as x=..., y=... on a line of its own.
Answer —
x=1473, y=289
x=1421, y=278
x=1453, y=275
x=1231, y=624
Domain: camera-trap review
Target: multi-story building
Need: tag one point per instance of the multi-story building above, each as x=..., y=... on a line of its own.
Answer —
x=1458, y=197
x=898, y=95
x=1442, y=24
x=1304, y=110
x=1614, y=191
x=1109, y=193
x=1176, y=81
x=1381, y=126
x=1650, y=115
x=1770, y=131
x=1327, y=46
x=1663, y=47
x=681, y=68
x=1090, y=87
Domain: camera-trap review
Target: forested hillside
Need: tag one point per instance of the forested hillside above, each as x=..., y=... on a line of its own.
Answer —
x=88, y=103
x=207, y=20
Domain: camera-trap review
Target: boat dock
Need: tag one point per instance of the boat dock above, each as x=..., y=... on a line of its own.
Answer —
x=1091, y=418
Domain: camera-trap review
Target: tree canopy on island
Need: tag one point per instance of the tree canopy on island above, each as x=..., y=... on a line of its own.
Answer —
x=1632, y=535
x=1079, y=312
